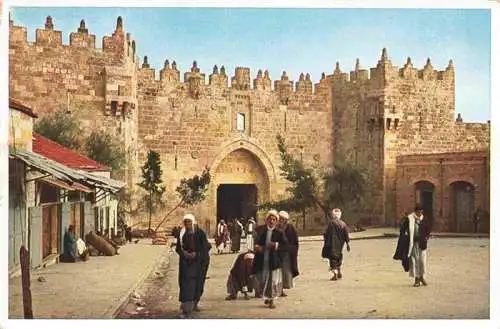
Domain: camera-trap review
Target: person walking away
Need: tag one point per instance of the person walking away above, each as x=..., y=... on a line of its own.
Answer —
x=412, y=245
x=193, y=248
x=289, y=256
x=240, y=276
x=236, y=236
x=335, y=236
x=267, y=262
x=250, y=233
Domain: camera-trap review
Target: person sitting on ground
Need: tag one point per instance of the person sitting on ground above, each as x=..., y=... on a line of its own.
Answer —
x=82, y=250
x=240, y=277
x=69, y=246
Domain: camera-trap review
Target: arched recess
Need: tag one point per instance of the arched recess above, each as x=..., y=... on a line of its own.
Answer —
x=241, y=179
x=253, y=148
x=425, y=195
x=462, y=206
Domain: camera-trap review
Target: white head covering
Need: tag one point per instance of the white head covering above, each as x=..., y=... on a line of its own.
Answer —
x=272, y=212
x=284, y=214
x=336, y=213
x=183, y=230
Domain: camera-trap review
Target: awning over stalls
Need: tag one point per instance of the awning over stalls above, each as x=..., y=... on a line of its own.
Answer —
x=66, y=186
x=65, y=175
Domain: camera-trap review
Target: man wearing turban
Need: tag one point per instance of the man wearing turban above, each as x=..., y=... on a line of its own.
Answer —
x=335, y=236
x=267, y=262
x=193, y=249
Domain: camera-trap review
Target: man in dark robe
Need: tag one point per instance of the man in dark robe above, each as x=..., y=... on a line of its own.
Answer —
x=128, y=233
x=69, y=244
x=335, y=236
x=412, y=245
x=240, y=277
x=267, y=263
x=236, y=236
x=289, y=257
x=193, y=249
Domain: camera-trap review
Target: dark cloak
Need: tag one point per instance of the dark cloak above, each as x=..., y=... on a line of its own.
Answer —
x=274, y=257
x=240, y=273
x=402, y=248
x=292, y=247
x=341, y=233
x=69, y=250
x=192, y=272
x=236, y=237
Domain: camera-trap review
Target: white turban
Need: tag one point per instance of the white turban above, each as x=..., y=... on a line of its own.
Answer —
x=284, y=214
x=272, y=212
x=336, y=213
x=183, y=230
x=189, y=217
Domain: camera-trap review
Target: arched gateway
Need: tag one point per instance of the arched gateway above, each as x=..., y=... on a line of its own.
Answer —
x=241, y=179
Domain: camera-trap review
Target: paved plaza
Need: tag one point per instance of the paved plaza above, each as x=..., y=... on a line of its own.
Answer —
x=86, y=290
x=374, y=285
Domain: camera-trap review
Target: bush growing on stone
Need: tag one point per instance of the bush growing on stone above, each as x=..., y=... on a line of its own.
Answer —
x=61, y=127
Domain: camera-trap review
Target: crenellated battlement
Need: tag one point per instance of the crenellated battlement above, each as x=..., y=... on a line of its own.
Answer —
x=122, y=44
x=119, y=43
x=285, y=88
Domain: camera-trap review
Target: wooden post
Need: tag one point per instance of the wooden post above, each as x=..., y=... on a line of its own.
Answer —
x=25, y=277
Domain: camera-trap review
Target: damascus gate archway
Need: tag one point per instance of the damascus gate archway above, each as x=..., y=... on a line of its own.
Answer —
x=242, y=177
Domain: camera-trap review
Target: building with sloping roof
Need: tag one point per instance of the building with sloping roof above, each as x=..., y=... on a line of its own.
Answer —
x=64, y=155
x=46, y=196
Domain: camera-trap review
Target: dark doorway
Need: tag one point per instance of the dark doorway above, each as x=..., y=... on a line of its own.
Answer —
x=462, y=206
x=424, y=195
x=236, y=201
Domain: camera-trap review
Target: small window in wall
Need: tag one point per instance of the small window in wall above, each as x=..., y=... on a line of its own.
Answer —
x=388, y=123
x=396, y=123
x=240, y=122
x=114, y=107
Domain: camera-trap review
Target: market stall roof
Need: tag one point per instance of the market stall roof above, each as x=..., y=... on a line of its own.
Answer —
x=65, y=156
x=66, y=174
x=66, y=186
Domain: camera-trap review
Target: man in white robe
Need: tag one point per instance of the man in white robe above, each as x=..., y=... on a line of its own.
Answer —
x=250, y=234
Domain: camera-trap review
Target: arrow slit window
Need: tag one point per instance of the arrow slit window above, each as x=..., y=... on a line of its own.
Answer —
x=240, y=122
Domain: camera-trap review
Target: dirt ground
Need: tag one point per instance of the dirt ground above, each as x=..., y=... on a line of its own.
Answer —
x=374, y=286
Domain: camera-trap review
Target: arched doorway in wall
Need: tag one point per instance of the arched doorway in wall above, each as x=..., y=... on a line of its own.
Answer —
x=241, y=182
x=462, y=206
x=424, y=195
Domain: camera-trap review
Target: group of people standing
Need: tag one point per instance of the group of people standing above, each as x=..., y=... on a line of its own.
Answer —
x=270, y=264
x=232, y=232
